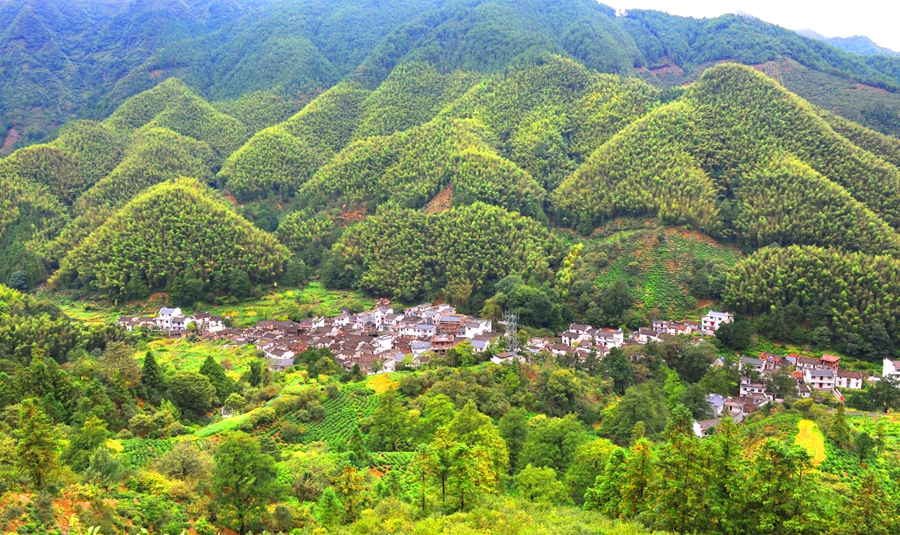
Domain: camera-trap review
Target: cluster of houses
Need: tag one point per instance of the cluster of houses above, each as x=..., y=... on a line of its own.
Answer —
x=173, y=321
x=821, y=376
x=376, y=340
x=379, y=340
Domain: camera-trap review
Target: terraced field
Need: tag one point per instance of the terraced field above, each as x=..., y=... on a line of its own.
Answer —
x=657, y=265
x=342, y=416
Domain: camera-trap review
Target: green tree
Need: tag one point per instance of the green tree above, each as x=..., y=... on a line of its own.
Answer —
x=390, y=425
x=18, y=281
x=642, y=403
x=552, y=442
x=104, y=468
x=83, y=442
x=192, y=393
x=588, y=462
x=513, y=428
x=239, y=284
x=215, y=372
x=606, y=494
x=737, y=335
x=245, y=480
x=329, y=508
x=118, y=360
x=839, y=431
x=37, y=443
x=255, y=373
x=617, y=366
x=153, y=381
x=540, y=485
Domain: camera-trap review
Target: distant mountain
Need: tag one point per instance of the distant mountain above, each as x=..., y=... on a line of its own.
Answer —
x=68, y=59
x=858, y=44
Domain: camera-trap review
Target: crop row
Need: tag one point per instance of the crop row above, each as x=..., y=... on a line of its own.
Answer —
x=138, y=452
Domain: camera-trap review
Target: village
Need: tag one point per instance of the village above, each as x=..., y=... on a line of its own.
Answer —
x=380, y=340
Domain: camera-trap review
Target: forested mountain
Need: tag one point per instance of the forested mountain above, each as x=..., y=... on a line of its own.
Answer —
x=63, y=60
x=858, y=44
x=176, y=236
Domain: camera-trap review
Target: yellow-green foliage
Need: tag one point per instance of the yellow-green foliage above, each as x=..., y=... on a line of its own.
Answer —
x=885, y=147
x=643, y=170
x=260, y=109
x=299, y=231
x=789, y=177
x=412, y=95
x=410, y=167
x=280, y=158
x=27, y=324
x=787, y=202
x=554, y=114
x=26, y=205
x=173, y=105
x=412, y=254
x=83, y=153
x=748, y=119
x=851, y=290
x=156, y=155
x=165, y=231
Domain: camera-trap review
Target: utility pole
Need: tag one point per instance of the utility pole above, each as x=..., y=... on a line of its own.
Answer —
x=512, y=331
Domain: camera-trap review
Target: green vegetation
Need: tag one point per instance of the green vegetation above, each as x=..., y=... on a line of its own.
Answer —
x=663, y=278
x=678, y=161
x=854, y=294
x=175, y=236
x=460, y=252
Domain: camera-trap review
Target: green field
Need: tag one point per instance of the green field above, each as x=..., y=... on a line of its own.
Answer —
x=278, y=304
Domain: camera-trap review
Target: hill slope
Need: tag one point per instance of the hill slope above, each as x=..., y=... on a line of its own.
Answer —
x=174, y=235
x=719, y=140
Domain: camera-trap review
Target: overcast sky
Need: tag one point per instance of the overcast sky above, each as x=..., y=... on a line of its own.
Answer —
x=877, y=19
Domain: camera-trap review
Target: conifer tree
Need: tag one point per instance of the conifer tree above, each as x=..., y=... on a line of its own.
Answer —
x=153, y=380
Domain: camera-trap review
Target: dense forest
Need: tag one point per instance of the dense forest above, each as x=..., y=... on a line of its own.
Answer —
x=357, y=185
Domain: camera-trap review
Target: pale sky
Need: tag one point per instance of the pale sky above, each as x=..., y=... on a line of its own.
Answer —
x=877, y=19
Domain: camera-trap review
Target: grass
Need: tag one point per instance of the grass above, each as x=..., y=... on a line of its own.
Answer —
x=810, y=437
x=184, y=355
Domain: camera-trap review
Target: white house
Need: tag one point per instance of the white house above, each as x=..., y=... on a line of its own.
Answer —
x=610, y=338
x=714, y=319
x=166, y=316
x=425, y=330
x=645, y=336
x=749, y=387
x=849, y=380
x=749, y=364
x=819, y=379
x=891, y=369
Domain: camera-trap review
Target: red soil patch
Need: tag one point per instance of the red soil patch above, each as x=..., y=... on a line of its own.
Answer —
x=13, y=136
x=441, y=202
x=156, y=74
x=353, y=215
x=668, y=70
x=703, y=303
x=871, y=88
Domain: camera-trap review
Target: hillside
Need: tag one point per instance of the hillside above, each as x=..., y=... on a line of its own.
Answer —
x=857, y=44
x=174, y=236
x=716, y=133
